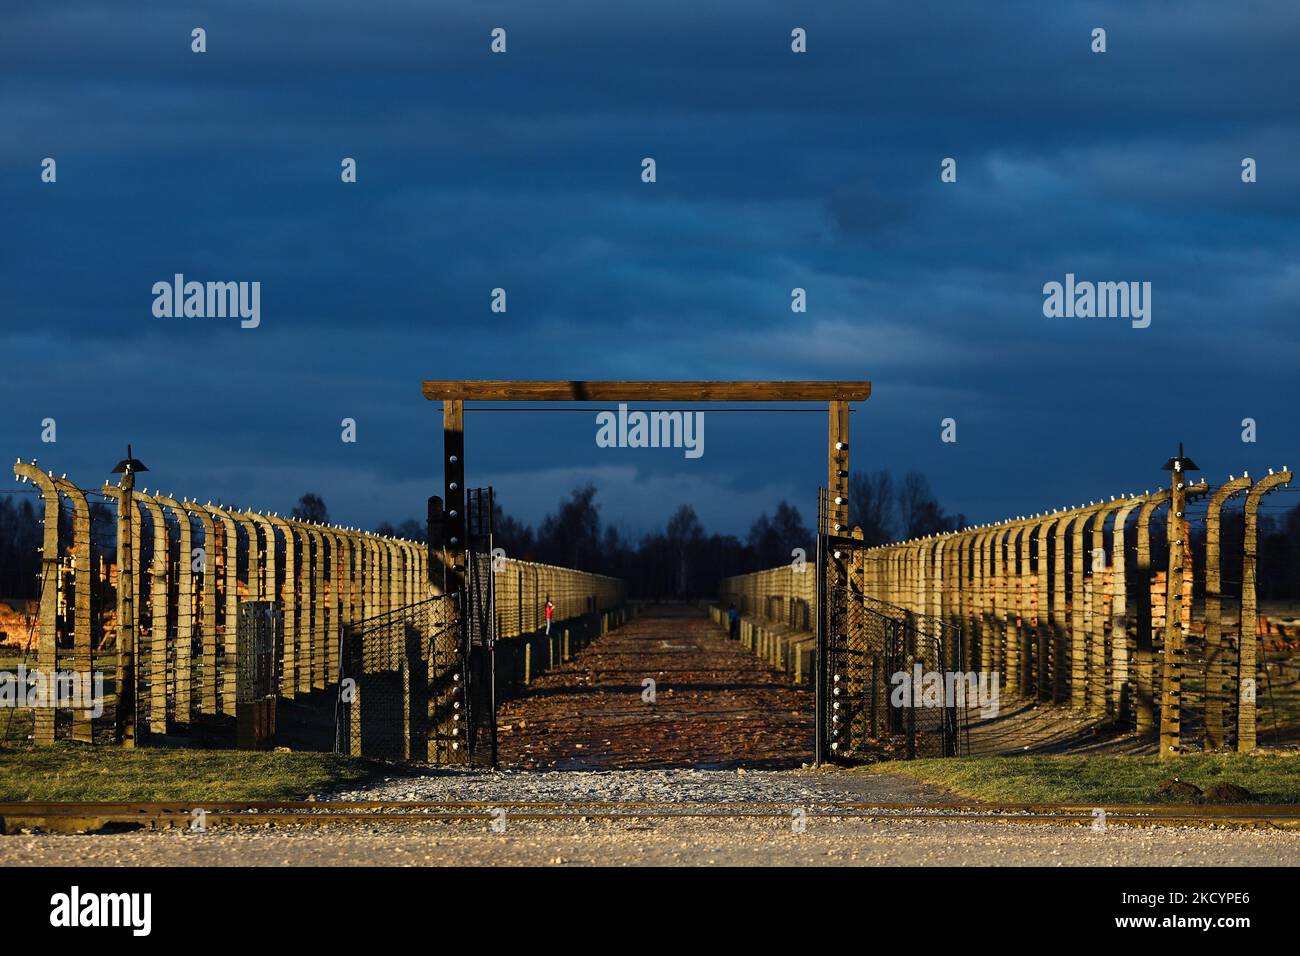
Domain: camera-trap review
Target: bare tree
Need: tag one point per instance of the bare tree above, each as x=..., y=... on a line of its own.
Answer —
x=311, y=507
x=871, y=501
x=919, y=511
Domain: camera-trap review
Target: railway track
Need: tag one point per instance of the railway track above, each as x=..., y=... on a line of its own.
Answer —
x=92, y=817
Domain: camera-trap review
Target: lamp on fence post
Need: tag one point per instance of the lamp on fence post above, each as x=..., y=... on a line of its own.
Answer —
x=125, y=720
x=1171, y=685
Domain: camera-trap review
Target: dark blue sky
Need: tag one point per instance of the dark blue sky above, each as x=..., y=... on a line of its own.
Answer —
x=522, y=171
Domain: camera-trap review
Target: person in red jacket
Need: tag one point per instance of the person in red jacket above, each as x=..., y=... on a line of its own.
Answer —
x=550, y=612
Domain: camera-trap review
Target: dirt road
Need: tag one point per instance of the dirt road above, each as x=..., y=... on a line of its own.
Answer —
x=666, y=690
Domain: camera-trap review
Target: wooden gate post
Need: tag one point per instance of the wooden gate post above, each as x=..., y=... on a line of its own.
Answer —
x=453, y=469
x=837, y=467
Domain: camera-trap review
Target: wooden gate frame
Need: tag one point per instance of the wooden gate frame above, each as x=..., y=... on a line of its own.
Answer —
x=454, y=395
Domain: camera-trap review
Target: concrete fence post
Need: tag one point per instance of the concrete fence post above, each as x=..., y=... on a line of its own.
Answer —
x=271, y=588
x=82, y=725
x=289, y=603
x=1248, y=654
x=1007, y=596
x=316, y=601
x=157, y=643
x=1220, y=649
x=183, y=676
x=126, y=729
x=1044, y=614
x=230, y=615
x=980, y=601
x=1024, y=628
x=1121, y=643
x=1078, y=614
x=1145, y=698
x=47, y=615
x=1178, y=600
x=208, y=610
x=1100, y=653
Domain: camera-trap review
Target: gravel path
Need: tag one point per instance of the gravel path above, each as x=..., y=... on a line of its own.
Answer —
x=765, y=842
x=793, y=787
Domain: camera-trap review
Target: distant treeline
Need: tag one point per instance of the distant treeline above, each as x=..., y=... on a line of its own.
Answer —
x=684, y=559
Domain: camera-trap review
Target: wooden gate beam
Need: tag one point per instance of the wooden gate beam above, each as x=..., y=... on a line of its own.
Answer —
x=624, y=391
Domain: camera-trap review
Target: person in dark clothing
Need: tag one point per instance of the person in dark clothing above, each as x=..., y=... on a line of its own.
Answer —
x=733, y=623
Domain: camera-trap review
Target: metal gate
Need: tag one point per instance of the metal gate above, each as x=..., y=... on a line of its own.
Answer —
x=886, y=684
x=259, y=637
x=419, y=682
x=400, y=685
x=479, y=627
